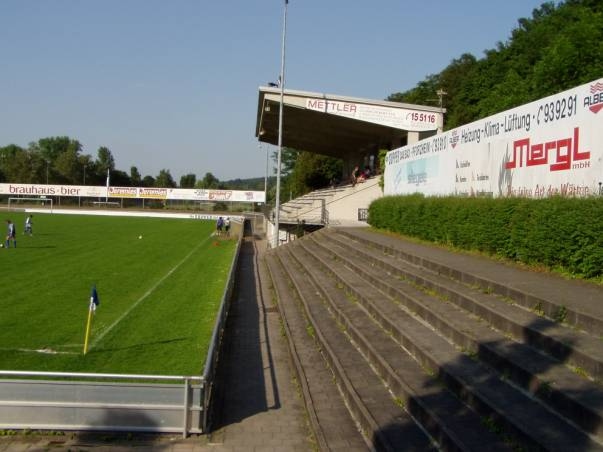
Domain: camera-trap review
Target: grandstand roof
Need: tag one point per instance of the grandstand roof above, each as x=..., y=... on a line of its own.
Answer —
x=340, y=126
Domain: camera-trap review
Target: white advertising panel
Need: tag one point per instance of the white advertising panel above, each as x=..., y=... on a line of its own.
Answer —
x=553, y=146
x=200, y=194
x=401, y=118
x=32, y=190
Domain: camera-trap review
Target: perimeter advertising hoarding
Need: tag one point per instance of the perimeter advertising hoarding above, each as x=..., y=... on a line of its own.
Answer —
x=33, y=190
x=553, y=146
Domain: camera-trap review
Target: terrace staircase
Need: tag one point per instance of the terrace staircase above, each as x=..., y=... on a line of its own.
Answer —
x=400, y=346
x=331, y=206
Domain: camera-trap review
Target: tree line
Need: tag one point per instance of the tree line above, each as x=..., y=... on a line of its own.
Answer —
x=60, y=160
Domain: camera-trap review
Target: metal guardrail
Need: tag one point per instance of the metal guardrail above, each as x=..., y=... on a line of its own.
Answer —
x=79, y=401
x=312, y=214
x=115, y=402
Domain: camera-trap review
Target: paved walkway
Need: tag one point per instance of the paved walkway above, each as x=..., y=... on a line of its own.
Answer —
x=261, y=408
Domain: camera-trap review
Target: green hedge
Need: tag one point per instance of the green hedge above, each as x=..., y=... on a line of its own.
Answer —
x=564, y=233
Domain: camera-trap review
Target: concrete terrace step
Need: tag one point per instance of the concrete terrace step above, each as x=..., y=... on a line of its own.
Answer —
x=527, y=420
x=583, y=349
x=447, y=419
x=574, y=396
x=373, y=408
x=328, y=416
x=582, y=301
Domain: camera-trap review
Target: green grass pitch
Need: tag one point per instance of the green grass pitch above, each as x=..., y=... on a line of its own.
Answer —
x=159, y=294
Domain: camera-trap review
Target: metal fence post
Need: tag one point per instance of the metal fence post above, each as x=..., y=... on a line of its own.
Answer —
x=186, y=408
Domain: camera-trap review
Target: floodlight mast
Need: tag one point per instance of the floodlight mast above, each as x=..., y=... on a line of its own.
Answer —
x=277, y=216
x=265, y=178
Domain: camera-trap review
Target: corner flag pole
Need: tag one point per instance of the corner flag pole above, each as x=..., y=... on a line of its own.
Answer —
x=88, y=328
x=94, y=302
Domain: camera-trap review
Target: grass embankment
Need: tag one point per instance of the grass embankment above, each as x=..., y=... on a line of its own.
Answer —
x=159, y=294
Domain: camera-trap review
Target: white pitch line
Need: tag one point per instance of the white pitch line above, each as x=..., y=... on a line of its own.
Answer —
x=46, y=351
x=147, y=293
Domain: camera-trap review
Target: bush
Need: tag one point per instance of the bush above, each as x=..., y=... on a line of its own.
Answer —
x=566, y=233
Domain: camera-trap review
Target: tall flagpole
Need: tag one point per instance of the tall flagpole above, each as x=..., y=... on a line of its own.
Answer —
x=277, y=216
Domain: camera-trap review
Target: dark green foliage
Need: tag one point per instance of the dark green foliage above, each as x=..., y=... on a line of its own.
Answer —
x=558, y=48
x=188, y=180
x=313, y=171
x=303, y=171
x=565, y=233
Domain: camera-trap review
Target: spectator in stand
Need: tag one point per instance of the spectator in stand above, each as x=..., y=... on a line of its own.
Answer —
x=364, y=175
x=355, y=175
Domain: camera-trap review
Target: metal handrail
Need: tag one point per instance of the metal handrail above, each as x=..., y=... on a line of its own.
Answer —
x=33, y=373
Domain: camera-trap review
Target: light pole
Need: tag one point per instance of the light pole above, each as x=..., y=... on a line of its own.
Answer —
x=84, y=174
x=277, y=216
x=441, y=93
x=47, y=164
x=265, y=176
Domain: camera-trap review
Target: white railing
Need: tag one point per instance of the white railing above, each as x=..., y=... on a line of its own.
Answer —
x=102, y=402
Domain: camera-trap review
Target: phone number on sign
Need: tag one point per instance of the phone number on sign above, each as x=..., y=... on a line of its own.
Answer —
x=422, y=117
x=558, y=109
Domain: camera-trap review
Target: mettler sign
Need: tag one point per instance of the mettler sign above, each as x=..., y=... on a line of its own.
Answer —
x=400, y=118
x=553, y=146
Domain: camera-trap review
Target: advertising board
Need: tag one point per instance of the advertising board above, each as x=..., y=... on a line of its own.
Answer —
x=553, y=146
x=41, y=190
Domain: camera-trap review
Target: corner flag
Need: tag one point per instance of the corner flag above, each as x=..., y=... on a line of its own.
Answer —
x=94, y=301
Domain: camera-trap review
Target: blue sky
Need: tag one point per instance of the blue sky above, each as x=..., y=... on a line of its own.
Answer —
x=173, y=84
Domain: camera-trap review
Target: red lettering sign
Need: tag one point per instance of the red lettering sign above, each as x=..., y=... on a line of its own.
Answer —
x=565, y=151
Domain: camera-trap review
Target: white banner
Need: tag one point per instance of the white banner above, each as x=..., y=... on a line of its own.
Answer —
x=34, y=190
x=200, y=194
x=401, y=118
x=553, y=146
